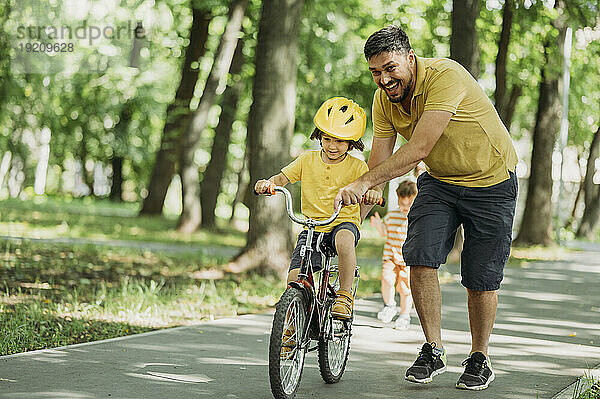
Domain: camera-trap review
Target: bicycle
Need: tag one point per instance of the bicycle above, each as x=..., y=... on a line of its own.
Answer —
x=303, y=314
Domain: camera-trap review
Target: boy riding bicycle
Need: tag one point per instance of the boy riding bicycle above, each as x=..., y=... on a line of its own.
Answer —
x=339, y=125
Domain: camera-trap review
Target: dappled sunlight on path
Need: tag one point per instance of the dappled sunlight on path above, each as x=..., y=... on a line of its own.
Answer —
x=547, y=333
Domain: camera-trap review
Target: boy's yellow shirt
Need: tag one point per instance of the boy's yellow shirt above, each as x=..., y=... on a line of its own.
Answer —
x=320, y=184
x=475, y=149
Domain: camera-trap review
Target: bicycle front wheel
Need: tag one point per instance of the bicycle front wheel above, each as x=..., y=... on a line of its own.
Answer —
x=286, y=352
x=334, y=347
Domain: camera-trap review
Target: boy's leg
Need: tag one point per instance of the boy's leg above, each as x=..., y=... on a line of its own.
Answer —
x=292, y=275
x=344, y=246
x=388, y=280
x=388, y=292
x=403, y=289
x=345, y=237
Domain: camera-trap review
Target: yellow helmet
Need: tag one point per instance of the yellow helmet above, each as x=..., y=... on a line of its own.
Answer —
x=341, y=118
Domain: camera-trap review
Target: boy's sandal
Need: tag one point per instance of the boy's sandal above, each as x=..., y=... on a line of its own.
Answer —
x=342, y=307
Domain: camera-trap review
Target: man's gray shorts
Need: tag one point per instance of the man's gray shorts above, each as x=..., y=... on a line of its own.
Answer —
x=486, y=214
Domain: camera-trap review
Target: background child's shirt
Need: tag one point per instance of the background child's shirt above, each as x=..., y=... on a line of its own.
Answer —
x=320, y=184
x=396, y=225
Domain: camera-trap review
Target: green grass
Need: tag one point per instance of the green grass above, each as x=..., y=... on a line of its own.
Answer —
x=587, y=387
x=31, y=326
x=46, y=217
x=56, y=295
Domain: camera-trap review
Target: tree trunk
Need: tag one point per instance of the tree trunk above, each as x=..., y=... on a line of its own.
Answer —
x=464, y=46
x=505, y=103
x=509, y=111
x=270, y=128
x=178, y=113
x=83, y=154
x=190, y=184
x=116, y=190
x=122, y=127
x=211, y=183
x=242, y=186
x=117, y=161
x=5, y=168
x=573, y=215
x=591, y=196
x=536, y=224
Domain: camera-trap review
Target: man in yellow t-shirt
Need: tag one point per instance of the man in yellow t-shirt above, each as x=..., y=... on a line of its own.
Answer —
x=450, y=125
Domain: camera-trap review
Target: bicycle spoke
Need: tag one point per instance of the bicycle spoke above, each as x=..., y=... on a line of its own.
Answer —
x=291, y=365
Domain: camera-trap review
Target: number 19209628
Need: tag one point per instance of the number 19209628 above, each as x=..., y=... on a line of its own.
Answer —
x=40, y=47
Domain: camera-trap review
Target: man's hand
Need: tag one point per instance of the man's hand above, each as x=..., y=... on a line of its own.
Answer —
x=351, y=194
x=372, y=196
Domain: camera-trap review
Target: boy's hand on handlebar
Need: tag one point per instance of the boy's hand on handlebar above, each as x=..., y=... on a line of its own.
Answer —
x=264, y=187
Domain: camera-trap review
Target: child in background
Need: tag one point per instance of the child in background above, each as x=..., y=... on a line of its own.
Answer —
x=395, y=273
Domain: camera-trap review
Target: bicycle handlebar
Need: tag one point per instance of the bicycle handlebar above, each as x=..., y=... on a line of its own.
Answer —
x=306, y=222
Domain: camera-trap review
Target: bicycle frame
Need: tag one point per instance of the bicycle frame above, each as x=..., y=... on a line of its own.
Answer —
x=305, y=282
x=304, y=313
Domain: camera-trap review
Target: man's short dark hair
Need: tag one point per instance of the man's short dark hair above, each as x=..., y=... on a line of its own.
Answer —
x=391, y=38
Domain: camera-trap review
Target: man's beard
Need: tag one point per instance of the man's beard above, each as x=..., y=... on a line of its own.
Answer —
x=405, y=91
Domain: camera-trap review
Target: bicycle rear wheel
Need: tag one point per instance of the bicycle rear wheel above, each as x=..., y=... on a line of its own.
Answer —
x=286, y=358
x=334, y=347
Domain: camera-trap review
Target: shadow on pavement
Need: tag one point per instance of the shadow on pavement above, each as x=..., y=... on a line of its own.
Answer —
x=547, y=333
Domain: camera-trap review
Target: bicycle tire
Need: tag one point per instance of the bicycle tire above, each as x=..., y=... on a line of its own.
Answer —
x=286, y=361
x=334, y=348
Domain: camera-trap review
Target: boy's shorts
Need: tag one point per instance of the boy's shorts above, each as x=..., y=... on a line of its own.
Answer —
x=328, y=240
x=486, y=214
x=400, y=271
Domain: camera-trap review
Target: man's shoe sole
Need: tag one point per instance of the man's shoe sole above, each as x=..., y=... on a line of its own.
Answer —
x=477, y=387
x=427, y=380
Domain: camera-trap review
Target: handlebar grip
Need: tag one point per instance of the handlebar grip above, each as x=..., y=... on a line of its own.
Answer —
x=270, y=190
x=381, y=202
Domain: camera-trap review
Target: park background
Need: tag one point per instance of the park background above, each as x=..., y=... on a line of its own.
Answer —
x=125, y=163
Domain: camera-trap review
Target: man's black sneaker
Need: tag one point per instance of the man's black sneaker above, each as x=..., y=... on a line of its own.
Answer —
x=430, y=362
x=477, y=375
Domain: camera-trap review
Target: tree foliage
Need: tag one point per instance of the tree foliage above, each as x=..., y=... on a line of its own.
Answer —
x=79, y=104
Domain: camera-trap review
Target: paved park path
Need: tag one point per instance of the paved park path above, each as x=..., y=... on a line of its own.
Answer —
x=547, y=334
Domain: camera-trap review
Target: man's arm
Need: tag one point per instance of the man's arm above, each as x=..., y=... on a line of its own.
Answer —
x=427, y=132
x=382, y=149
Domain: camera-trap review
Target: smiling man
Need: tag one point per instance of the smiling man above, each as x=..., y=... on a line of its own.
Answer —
x=450, y=125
